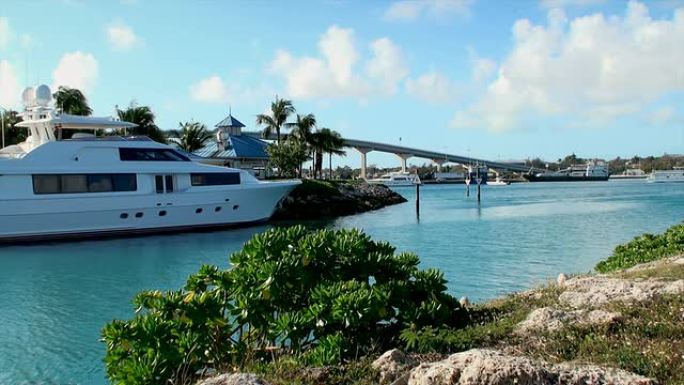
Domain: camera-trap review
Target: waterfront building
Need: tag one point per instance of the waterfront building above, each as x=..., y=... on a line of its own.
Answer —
x=231, y=147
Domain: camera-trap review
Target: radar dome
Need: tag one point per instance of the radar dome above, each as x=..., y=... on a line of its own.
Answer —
x=43, y=95
x=28, y=97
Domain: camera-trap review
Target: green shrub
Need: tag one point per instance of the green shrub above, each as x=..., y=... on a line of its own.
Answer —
x=321, y=295
x=645, y=248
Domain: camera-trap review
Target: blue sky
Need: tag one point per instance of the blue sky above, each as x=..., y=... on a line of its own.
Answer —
x=498, y=80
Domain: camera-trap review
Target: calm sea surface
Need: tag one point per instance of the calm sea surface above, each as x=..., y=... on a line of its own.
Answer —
x=55, y=298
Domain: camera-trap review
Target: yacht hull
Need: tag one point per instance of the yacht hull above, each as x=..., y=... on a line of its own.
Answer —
x=85, y=217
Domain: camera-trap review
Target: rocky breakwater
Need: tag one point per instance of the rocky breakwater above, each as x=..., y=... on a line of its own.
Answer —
x=325, y=199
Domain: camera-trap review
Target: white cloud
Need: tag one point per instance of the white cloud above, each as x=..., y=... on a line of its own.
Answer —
x=334, y=74
x=591, y=69
x=76, y=70
x=4, y=32
x=387, y=64
x=432, y=87
x=9, y=86
x=482, y=68
x=121, y=37
x=568, y=3
x=412, y=10
x=214, y=89
x=210, y=90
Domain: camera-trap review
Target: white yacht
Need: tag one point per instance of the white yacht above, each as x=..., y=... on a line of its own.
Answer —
x=666, y=176
x=498, y=182
x=94, y=186
x=397, y=179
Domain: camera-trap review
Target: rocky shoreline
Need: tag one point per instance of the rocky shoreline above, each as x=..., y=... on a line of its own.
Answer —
x=599, y=303
x=315, y=199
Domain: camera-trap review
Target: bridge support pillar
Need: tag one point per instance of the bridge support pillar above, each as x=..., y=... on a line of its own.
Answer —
x=363, y=152
x=403, y=158
x=439, y=163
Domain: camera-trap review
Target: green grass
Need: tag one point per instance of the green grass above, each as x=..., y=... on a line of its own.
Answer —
x=316, y=187
x=289, y=370
x=491, y=324
x=649, y=341
x=668, y=272
x=645, y=248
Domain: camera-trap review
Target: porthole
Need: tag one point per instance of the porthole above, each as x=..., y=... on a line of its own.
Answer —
x=138, y=215
x=217, y=209
x=235, y=207
x=123, y=215
x=198, y=211
x=162, y=213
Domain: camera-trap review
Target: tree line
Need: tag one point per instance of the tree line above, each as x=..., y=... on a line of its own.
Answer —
x=617, y=165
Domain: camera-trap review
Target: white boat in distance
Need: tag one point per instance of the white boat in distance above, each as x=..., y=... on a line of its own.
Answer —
x=666, y=176
x=397, y=179
x=98, y=186
x=498, y=182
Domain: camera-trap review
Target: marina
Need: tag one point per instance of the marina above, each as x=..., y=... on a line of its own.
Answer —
x=341, y=192
x=62, y=294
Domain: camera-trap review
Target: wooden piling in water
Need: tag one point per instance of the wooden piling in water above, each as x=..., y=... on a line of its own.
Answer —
x=418, y=199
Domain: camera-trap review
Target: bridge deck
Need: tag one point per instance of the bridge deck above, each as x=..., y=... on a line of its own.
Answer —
x=432, y=155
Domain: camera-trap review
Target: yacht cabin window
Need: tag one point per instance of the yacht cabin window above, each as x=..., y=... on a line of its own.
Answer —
x=83, y=183
x=215, y=178
x=163, y=184
x=151, y=154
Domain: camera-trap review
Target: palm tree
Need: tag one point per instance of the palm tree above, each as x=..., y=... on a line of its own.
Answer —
x=12, y=134
x=281, y=109
x=72, y=101
x=191, y=136
x=332, y=143
x=302, y=130
x=143, y=117
x=303, y=127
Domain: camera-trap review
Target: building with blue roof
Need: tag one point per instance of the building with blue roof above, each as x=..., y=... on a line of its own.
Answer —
x=232, y=148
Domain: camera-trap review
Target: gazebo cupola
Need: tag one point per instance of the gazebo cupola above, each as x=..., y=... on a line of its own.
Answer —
x=230, y=125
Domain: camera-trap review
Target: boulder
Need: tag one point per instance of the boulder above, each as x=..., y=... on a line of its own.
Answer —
x=595, y=291
x=561, y=279
x=233, y=379
x=491, y=367
x=392, y=364
x=481, y=366
x=550, y=319
x=570, y=374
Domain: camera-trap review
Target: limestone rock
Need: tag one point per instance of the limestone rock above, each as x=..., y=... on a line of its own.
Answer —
x=550, y=319
x=569, y=374
x=392, y=364
x=491, y=367
x=595, y=291
x=234, y=379
x=561, y=279
x=481, y=366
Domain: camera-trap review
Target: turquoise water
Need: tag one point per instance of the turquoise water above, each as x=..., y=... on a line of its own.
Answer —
x=55, y=298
